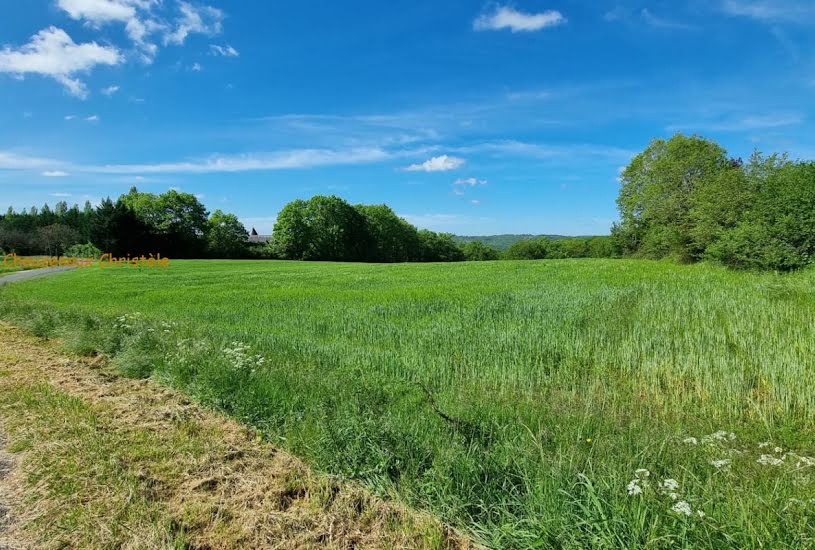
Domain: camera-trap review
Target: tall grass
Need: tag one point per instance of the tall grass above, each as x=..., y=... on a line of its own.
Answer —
x=515, y=399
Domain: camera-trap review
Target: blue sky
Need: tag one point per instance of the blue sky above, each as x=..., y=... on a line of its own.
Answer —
x=465, y=116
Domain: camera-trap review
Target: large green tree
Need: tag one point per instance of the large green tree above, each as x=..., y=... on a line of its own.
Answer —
x=392, y=238
x=177, y=220
x=662, y=193
x=322, y=228
x=226, y=236
x=439, y=247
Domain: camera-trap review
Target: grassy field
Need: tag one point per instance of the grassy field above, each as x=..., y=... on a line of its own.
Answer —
x=543, y=404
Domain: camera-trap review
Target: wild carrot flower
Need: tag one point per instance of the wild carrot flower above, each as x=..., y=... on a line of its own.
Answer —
x=669, y=484
x=770, y=460
x=682, y=507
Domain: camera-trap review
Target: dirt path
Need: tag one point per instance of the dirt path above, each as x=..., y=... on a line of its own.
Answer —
x=104, y=461
x=32, y=273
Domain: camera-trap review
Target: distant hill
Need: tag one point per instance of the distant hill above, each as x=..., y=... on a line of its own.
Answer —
x=502, y=242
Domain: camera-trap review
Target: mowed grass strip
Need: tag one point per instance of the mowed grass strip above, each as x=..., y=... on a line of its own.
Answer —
x=108, y=462
x=517, y=400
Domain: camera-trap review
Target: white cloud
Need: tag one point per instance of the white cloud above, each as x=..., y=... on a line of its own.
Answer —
x=53, y=53
x=203, y=20
x=99, y=11
x=616, y=14
x=61, y=195
x=545, y=151
x=280, y=160
x=461, y=185
x=771, y=10
x=135, y=14
x=226, y=51
x=507, y=17
x=10, y=160
x=752, y=122
x=110, y=90
x=196, y=67
x=55, y=174
x=442, y=163
x=663, y=23
x=469, y=181
x=92, y=118
x=70, y=117
x=143, y=25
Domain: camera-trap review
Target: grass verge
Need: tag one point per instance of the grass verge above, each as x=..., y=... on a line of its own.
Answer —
x=109, y=462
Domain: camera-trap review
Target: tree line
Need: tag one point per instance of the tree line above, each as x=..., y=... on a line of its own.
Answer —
x=174, y=224
x=685, y=198
x=322, y=228
x=682, y=198
x=328, y=228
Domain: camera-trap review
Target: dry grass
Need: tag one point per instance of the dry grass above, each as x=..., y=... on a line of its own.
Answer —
x=108, y=462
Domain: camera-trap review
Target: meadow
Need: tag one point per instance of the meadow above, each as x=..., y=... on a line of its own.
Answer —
x=534, y=404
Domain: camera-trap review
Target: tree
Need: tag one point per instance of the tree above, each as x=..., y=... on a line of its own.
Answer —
x=118, y=230
x=54, y=239
x=660, y=188
x=531, y=249
x=438, y=247
x=14, y=240
x=226, y=236
x=778, y=232
x=323, y=228
x=177, y=221
x=292, y=233
x=476, y=251
x=393, y=239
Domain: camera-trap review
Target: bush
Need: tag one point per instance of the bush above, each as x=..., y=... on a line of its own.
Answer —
x=477, y=251
x=532, y=249
x=87, y=250
x=779, y=231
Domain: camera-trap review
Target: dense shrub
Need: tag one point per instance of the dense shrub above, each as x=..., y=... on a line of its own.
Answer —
x=87, y=250
x=684, y=198
x=477, y=251
x=779, y=230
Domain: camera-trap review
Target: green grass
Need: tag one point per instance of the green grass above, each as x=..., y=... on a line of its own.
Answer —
x=515, y=399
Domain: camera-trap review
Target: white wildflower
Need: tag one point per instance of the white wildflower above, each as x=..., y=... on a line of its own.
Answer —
x=682, y=507
x=669, y=485
x=690, y=441
x=642, y=473
x=804, y=461
x=634, y=488
x=721, y=463
x=700, y=513
x=721, y=435
x=769, y=460
x=764, y=445
x=778, y=450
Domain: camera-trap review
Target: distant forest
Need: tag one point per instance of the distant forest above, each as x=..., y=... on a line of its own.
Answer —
x=682, y=198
